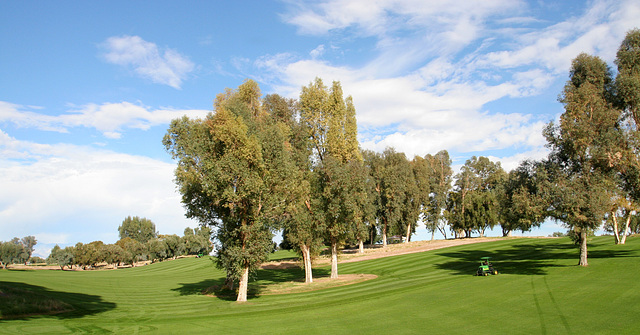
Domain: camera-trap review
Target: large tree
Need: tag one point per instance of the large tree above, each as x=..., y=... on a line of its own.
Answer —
x=395, y=185
x=300, y=229
x=523, y=198
x=627, y=89
x=585, y=146
x=473, y=204
x=230, y=173
x=440, y=175
x=330, y=121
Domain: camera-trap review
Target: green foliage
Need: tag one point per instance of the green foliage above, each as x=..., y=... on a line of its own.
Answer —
x=139, y=229
x=236, y=170
x=133, y=250
x=628, y=78
x=524, y=198
x=439, y=174
x=473, y=204
x=396, y=191
x=16, y=251
x=61, y=257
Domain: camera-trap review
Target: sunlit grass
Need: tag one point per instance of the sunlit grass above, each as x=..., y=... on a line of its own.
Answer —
x=540, y=290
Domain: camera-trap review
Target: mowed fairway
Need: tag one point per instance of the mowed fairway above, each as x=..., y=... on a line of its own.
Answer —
x=540, y=290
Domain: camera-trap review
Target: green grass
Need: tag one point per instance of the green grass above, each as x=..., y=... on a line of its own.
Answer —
x=540, y=290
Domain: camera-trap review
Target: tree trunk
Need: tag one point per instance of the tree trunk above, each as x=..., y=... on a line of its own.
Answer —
x=583, y=248
x=334, y=260
x=433, y=233
x=506, y=232
x=408, y=233
x=384, y=233
x=360, y=246
x=306, y=259
x=626, y=230
x=615, y=227
x=243, y=286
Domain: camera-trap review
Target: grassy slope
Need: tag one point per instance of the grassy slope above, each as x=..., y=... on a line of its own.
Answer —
x=540, y=290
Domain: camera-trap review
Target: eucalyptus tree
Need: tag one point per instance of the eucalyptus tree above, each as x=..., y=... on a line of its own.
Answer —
x=300, y=228
x=524, y=198
x=473, y=203
x=395, y=186
x=233, y=172
x=584, y=148
x=331, y=126
x=440, y=175
x=627, y=89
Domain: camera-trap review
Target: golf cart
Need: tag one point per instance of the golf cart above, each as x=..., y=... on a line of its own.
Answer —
x=486, y=267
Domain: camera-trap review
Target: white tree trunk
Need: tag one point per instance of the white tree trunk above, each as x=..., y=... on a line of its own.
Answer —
x=626, y=229
x=408, y=233
x=334, y=260
x=306, y=259
x=615, y=227
x=583, y=248
x=243, y=285
x=361, y=246
x=384, y=235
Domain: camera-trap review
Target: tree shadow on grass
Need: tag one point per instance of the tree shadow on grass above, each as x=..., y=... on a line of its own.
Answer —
x=24, y=301
x=258, y=283
x=524, y=259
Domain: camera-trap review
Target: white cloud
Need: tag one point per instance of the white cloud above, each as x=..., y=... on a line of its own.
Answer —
x=166, y=67
x=317, y=52
x=108, y=118
x=66, y=193
x=420, y=93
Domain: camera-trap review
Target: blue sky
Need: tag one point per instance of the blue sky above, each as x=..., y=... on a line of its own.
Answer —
x=87, y=89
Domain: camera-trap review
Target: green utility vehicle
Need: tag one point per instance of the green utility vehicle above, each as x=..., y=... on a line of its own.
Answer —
x=486, y=267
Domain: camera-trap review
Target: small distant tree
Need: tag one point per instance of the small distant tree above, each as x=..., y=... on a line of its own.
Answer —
x=197, y=241
x=133, y=250
x=61, y=257
x=36, y=260
x=10, y=253
x=113, y=254
x=156, y=250
x=28, y=242
x=139, y=229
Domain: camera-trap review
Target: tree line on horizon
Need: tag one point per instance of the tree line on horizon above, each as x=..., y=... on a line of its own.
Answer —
x=139, y=241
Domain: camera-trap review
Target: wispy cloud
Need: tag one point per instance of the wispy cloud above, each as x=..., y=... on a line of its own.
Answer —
x=111, y=119
x=166, y=66
x=437, y=65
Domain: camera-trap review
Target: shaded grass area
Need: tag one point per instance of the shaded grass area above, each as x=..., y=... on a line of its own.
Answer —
x=540, y=291
x=20, y=300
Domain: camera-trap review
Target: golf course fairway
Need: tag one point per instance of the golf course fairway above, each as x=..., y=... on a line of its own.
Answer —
x=540, y=290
